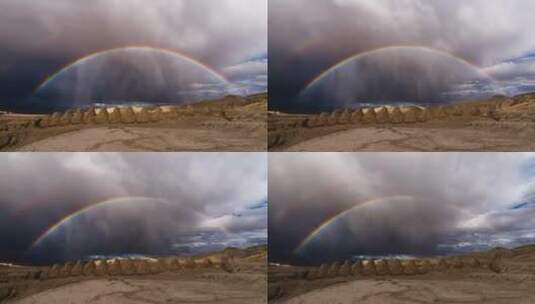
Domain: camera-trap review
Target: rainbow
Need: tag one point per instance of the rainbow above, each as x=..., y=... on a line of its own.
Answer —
x=115, y=200
x=398, y=47
x=88, y=57
x=333, y=219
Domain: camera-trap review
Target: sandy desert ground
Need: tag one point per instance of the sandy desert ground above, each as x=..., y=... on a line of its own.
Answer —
x=500, y=276
x=498, y=124
x=230, y=124
x=241, y=279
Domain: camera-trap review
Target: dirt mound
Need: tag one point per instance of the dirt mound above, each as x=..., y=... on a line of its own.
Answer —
x=368, y=116
x=65, y=271
x=381, y=267
x=155, y=266
x=55, y=120
x=115, y=116
x=156, y=114
x=368, y=268
x=356, y=116
x=202, y=262
x=411, y=114
x=333, y=270
x=409, y=267
x=127, y=115
x=395, y=267
x=143, y=116
x=53, y=272
x=396, y=116
x=77, y=269
x=345, y=117
x=186, y=262
x=90, y=116
x=89, y=268
x=345, y=269
x=425, y=115
x=381, y=115
x=142, y=267
x=114, y=268
x=77, y=117
x=127, y=267
x=101, y=268
x=102, y=116
x=171, y=264
x=323, y=270
x=333, y=118
x=423, y=266
x=66, y=118
x=356, y=268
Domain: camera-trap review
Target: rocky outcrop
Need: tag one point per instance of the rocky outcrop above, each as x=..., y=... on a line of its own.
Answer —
x=66, y=118
x=77, y=117
x=89, y=116
x=368, y=116
x=114, y=116
x=396, y=267
x=125, y=267
x=143, y=115
x=114, y=267
x=398, y=115
x=102, y=116
x=127, y=115
x=381, y=115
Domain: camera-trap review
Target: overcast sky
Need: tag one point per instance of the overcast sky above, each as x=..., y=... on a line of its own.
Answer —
x=494, y=37
x=39, y=38
x=421, y=204
x=168, y=204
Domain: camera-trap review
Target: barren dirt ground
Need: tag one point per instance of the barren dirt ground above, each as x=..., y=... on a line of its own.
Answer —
x=232, y=123
x=215, y=287
x=496, y=124
x=497, y=276
x=432, y=290
x=447, y=138
x=231, y=276
x=129, y=139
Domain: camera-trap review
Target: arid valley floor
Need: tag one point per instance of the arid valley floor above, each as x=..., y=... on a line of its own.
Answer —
x=230, y=124
x=497, y=276
x=231, y=276
x=496, y=124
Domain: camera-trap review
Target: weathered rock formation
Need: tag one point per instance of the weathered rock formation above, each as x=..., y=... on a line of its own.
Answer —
x=228, y=106
x=405, y=114
x=394, y=267
x=126, y=267
x=114, y=116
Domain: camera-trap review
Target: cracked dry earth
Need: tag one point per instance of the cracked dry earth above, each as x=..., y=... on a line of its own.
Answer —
x=131, y=139
x=396, y=291
x=388, y=138
x=207, y=288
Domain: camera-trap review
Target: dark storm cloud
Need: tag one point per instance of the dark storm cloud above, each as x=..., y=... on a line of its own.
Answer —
x=38, y=38
x=202, y=194
x=453, y=202
x=306, y=38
